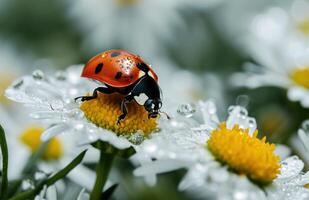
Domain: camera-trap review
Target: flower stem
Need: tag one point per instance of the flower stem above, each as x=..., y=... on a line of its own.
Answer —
x=102, y=171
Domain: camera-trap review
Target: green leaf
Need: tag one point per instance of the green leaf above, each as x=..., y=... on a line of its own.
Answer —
x=30, y=194
x=30, y=166
x=61, y=174
x=109, y=192
x=29, y=169
x=5, y=160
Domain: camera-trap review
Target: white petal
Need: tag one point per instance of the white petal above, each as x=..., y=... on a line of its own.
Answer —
x=160, y=166
x=53, y=131
x=51, y=193
x=304, y=138
x=282, y=151
x=83, y=195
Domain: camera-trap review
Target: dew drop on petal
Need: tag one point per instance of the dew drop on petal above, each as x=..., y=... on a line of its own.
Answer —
x=17, y=84
x=251, y=122
x=38, y=75
x=92, y=136
x=56, y=105
x=242, y=100
x=27, y=184
x=230, y=109
x=186, y=110
x=79, y=126
x=40, y=175
x=243, y=113
x=75, y=113
x=305, y=126
x=136, y=138
x=290, y=167
x=60, y=75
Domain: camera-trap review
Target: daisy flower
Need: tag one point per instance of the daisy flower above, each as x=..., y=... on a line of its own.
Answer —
x=136, y=25
x=51, y=99
x=224, y=159
x=278, y=41
x=25, y=139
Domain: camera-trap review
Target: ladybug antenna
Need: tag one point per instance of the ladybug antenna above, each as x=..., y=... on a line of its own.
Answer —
x=167, y=116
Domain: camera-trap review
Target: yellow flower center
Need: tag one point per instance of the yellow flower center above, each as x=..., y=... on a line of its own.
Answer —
x=245, y=154
x=5, y=81
x=303, y=26
x=126, y=2
x=105, y=110
x=31, y=137
x=301, y=76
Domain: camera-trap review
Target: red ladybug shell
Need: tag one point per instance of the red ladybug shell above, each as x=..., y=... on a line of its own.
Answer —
x=117, y=68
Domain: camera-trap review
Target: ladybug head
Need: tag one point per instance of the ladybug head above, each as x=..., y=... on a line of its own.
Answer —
x=153, y=107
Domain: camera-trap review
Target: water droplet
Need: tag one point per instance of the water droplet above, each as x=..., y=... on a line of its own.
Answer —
x=251, y=122
x=92, y=136
x=305, y=126
x=230, y=109
x=60, y=75
x=75, y=113
x=136, y=138
x=18, y=83
x=242, y=100
x=56, y=105
x=243, y=112
x=38, y=74
x=79, y=126
x=27, y=184
x=40, y=175
x=186, y=110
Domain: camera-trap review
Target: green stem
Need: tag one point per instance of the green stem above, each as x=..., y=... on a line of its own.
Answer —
x=102, y=170
x=5, y=161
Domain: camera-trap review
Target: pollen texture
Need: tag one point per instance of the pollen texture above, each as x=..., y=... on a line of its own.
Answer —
x=105, y=109
x=31, y=137
x=245, y=154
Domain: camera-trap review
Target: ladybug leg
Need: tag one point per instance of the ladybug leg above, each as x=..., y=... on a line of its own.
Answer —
x=104, y=90
x=124, y=108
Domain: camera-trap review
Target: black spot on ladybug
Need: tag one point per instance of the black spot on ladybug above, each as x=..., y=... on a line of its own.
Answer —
x=99, y=68
x=118, y=75
x=114, y=54
x=142, y=66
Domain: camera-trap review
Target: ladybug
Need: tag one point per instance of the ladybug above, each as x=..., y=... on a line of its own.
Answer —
x=128, y=74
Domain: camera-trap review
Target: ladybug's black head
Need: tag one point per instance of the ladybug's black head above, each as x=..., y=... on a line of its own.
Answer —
x=153, y=107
